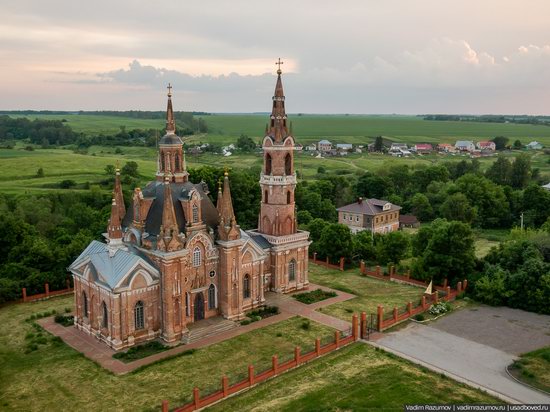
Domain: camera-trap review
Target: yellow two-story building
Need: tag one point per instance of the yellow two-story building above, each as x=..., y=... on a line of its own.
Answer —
x=378, y=216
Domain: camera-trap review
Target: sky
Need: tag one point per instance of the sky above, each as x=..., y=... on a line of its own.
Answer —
x=365, y=56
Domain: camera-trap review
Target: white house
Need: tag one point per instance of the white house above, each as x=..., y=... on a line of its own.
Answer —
x=311, y=147
x=344, y=147
x=486, y=145
x=465, y=145
x=534, y=145
x=324, y=146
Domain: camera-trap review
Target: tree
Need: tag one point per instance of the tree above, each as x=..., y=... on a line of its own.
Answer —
x=110, y=170
x=130, y=169
x=370, y=185
x=304, y=217
x=500, y=142
x=245, y=143
x=517, y=145
x=392, y=247
x=457, y=207
x=315, y=228
x=500, y=171
x=363, y=247
x=321, y=170
x=378, y=144
x=421, y=207
x=521, y=171
x=536, y=205
x=40, y=172
x=335, y=242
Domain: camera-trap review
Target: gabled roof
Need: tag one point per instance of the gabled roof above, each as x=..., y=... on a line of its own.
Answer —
x=110, y=267
x=369, y=207
x=324, y=141
x=464, y=143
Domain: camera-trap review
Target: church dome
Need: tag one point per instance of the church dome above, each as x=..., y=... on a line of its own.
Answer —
x=170, y=139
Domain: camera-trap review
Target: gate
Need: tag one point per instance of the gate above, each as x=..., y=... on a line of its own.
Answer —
x=371, y=326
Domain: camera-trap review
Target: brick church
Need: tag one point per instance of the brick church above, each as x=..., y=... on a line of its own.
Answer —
x=174, y=258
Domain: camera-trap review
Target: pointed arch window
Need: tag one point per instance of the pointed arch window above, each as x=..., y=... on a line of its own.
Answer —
x=266, y=196
x=246, y=286
x=288, y=195
x=139, y=319
x=177, y=312
x=187, y=303
x=195, y=213
x=105, y=320
x=292, y=270
x=197, y=256
x=268, y=164
x=177, y=163
x=212, y=304
x=288, y=164
x=84, y=305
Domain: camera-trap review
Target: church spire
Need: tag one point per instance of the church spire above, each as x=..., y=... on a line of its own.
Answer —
x=114, y=229
x=228, y=228
x=170, y=122
x=169, y=223
x=220, y=198
x=117, y=194
x=227, y=203
x=278, y=130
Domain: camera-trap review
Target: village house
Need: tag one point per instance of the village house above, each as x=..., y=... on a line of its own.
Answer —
x=344, y=147
x=324, y=146
x=465, y=146
x=409, y=221
x=377, y=216
x=423, y=148
x=173, y=258
x=399, y=150
x=534, y=146
x=312, y=147
x=486, y=145
x=446, y=148
x=298, y=147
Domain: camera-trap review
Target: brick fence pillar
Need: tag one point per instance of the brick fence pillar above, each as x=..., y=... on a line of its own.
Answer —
x=378, y=270
x=436, y=296
x=355, y=326
x=458, y=287
x=337, y=338
x=297, y=355
x=342, y=264
x=47, y=287
x=408, y=274
x=164, y=406
x=409, y=308
x=314, y=257
x=196, y=397
x=445, y=282
x=24, y=291
x=424, y=302
x=464, y=285
x=362, y=267
x=225, y=386
x=250, y=375
x=318, y=347
x=395, y=313
x=380, y=317
x=275, y=363
x=448, y=290
x=363, y=325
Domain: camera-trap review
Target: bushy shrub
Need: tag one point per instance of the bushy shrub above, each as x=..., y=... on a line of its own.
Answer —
x=420, y=317
x=306, y=325
x=64, y=320
x=439, y=308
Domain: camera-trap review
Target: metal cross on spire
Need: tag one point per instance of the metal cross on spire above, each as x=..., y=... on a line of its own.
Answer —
x=278, y=63
x=169, y=89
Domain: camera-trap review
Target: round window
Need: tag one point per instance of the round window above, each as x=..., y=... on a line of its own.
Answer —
x=212, y=273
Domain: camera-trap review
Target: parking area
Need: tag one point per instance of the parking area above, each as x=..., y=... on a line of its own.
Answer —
x=475, y=345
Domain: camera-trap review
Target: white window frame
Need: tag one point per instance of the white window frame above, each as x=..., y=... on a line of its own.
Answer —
x=197, y=257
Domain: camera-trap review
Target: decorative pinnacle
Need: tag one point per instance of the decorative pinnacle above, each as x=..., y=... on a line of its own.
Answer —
x=117, y=167
x=278, y=63
x=169, y=90
x=220, y=185
x=226, y=172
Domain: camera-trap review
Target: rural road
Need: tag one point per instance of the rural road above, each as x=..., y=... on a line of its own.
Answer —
x=475, y=345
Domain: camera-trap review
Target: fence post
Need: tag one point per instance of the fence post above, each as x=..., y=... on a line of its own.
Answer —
x=445, y=283
x=342, y=264
x=448, y=297
x=196, y=397
x=408, y=274
x=464, y=285
x=297, y=355
x=378, y=270
x=274, y=363
x=424, y=302
x=409, y=308
x=395, y=313
x=458, y=288
x=363, y=325
x=225, y=386
x=24, y=290
x=380, y=319
x=250, y=375
x=337, y=338
x=318, y=347
x=355, y=327
x=436, y=296
x=314, y=257
x=47, y=287
x=164, y=406
x=362, y=267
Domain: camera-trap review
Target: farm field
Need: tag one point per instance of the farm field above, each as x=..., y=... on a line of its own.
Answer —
x=370, y=292
x=55, y=374
x=357, y=377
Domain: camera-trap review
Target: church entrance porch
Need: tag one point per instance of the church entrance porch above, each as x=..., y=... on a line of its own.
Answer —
x=208, y=327
x=198, y=308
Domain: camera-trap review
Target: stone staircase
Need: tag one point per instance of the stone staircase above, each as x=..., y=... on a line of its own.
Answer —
x=207, y=328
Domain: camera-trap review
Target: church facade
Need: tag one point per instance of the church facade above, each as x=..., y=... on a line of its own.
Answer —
x=174, y=258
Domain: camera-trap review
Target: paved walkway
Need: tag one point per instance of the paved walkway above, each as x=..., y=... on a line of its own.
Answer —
x=475, y=346
x=97, y=351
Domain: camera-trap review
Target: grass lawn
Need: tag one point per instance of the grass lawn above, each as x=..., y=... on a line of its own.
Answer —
x=370, y=292
x=316, y=295
x=355, y=378
x=55, y=374
x=534, y=368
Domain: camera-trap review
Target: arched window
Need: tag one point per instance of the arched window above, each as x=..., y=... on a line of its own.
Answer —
x=266, y=196
x=197, y=256
x=288, y=197
x=84, y=305
x=163, y=163
x=268, y=164
x=139, y=319
x=212, y=297
x=195, y=213
x=292, y=270
x=105, y=315
x=177, y=163
x=246, y=286
x=187, y=303
x=288, y=164
x=177, y=312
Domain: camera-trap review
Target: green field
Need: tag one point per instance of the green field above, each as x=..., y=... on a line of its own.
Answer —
x=356, y=378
